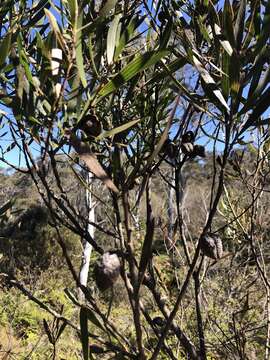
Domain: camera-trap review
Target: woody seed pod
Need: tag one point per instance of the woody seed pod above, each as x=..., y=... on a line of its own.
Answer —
x=90, y=125
x=107, y=271
x=198, y=150
x=211, y=246
x=188, y=137
x=187, y=148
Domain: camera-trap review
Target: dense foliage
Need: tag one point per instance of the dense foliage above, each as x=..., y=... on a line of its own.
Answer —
x=158, y=112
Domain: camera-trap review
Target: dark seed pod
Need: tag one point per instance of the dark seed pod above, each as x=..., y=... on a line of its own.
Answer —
x=95, y=349
x=170, y=149
x=211, y=246
x=198, y=150
x=90, y=125
x=187, y=148
x=158, y=321
x=162, y=17
x=107, y=271
x=188, y=137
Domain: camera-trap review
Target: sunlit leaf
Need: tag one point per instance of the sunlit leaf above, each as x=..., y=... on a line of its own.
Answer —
x=127, y=35
x=240, y=23
x=73, y=9
x=79, y=52
x=118, y=129
x=140, y=63
x=55, y=28
x=210, y=82
x=4, y=48
x=111, y=38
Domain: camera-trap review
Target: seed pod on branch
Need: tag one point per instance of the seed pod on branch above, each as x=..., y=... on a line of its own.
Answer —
x=188, y=137
x=85, y=154
x=198, y=150
x=170, y=149
x=187, y=141
x=187, y=148
x=107, y=271
x=90, y=125
x=211, y=246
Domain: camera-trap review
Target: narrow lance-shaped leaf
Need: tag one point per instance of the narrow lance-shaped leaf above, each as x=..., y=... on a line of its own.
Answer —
x=84, y=332
x=91, y=316
x=210, y=81
x=111, y=38
x=4, y=48
x=204, y=29
x=118, y=129
x=227, y=27
x=79, y=51
x=225, y=81
x=127, y=35
x=256, y=71
x=240, y=23
x=55, y=28
x=148, y=240
x=73, y=9
x=265, y=30
x=224, y=43
x=175, y=65
x=140, y=63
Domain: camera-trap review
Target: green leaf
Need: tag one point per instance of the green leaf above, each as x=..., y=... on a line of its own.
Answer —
x=55, y=28
x=79, y=52
x=225, y=81
x=260, y=106
x=203, y=29
x=228, y=16
x=24, y=61
x=140, y=63
x=127, y=35
x=84, y=332
x=41, y=45
x=71, y=296
x=4, y=48
x=209, y=81
x=91, y=316
x=91, y=53
x=240, y=24
x=118, y=129
x=111, y=38
x=165, y=36
x=265, y=30
x=73, y=9
x=224, y=42
x=234, y=74
x=110, y=4
x=171, y=68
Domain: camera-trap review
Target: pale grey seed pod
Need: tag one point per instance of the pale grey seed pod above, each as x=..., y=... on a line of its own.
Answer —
x=107, y=271
x=211, y=246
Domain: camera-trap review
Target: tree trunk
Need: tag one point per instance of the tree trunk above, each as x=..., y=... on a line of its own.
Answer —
x=87, y=248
